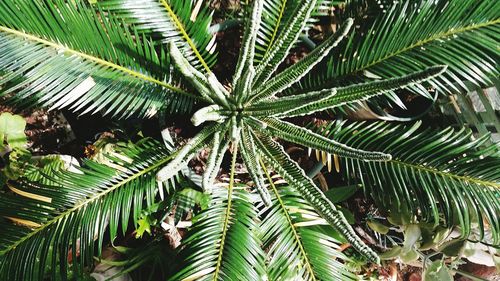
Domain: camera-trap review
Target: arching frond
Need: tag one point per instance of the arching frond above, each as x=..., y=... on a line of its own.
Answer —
x=191, y=74
x=274, y=155
x=284, y=41
x=299, y=249
x=434, y=174
x=54, y=223
x=223, y=244
x=350, y=95
x=309, y=103
x=218, y=149
x=185, y=22
x=295, y=134
x=275, y=15
x=413, y=35
x=295, y=72
x=246, y=58
x=45, y=61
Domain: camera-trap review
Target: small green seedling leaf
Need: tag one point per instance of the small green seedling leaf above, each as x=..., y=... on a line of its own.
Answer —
x=453, y=248
x=391, y=254
x=144, y=226
x=409, y=256
x=399, y=215
x=437, y=271
x=412, y=235
x=378, y=227
x=12, y=130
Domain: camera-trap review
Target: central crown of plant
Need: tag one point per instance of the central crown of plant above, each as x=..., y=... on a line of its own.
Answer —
x=249, y=114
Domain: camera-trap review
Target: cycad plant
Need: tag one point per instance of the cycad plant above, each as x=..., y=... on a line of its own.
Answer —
x=127, y=58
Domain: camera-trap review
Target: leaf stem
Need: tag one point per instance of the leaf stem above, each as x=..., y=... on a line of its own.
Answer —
x=186, y=37
x=468, y=275
x=445, y=174
x=228, y=210
x=438, y=36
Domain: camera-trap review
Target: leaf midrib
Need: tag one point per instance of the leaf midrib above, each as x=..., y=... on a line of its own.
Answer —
x=86, y=202
x=446, y=174
x=186, y=37
x=97, y=60
x=275, y=31
x=227, y=213
x=438, y=36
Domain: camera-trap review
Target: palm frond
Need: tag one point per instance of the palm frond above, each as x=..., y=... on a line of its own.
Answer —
x=273, y=154
x=411, y=36
x=252, y=160
x=295, y=134
x=284, y=40
x=299, y=248
x=219, y=148
x=184, y=22
x=45, y=61
x=223, y=244
x=295, y=72
x=275, y=15
x=54, y=223
x=247, y=53
x=309, y=103
x=437, y=175
x=191, y=74
x=355, y=94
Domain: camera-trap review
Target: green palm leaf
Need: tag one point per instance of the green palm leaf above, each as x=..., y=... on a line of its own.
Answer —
x=273, y=17
x=299, y=248
x=52, y=221
x=46, y=61
x=185, y=153
x=185, y=22
x=293, y=133
x=218, y=149
x=355, y=94
x=247, y=53
x=434, y=174
x=223, y=244
x=274, y=155
x=284, y=40
x=275, y=14
x=309, y=103
x=295, y=72
x=252, y=160
x=413, y=35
